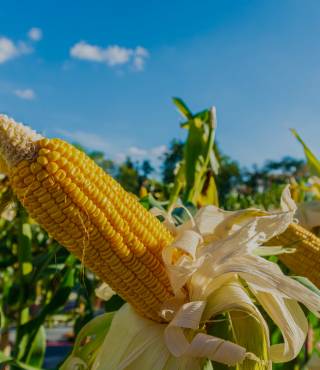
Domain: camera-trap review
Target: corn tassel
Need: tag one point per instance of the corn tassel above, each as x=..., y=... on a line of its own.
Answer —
x=89, y=213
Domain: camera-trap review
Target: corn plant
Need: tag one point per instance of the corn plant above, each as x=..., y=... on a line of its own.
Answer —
x=195, y=173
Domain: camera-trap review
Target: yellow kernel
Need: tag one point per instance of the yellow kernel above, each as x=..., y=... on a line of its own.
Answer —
x=42, y=160
x=90, y=207
x=49, y=182
x=24, y=172
x=35, y=167
x=63, y=161
x=70, y=209
x=49, y=204
x=40, y=192
x=34, y=186
x=52, y=167
x=42, y=175
x=44, y=152
x=28, y=180
x=75, y=193
x=44, y=142
x=53, y=156
x=44, y=198
x=22, y=164
x=55, y=213
x=59, y=219
x=60, y=175
x=68, y=166
x=61, y=198
x=15, y=179
x=70, y=187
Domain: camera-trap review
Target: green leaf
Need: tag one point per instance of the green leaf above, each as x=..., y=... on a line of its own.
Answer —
x=7, y=360
x=25, y=244
x=208, y=365
x=246, y=323
x=210, y=196
x=243, y=324
x=30, y=329
x=193, y=151
x=38, y=349
x=312, y=161
x=214, y=162
x=178, y=185
x=220, y=327
x=182, y=108
x=26, y=268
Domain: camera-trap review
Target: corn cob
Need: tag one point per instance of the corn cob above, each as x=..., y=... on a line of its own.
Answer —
x=305, y=261
x=89, y=213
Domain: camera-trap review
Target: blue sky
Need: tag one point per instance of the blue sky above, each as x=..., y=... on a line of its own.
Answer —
x=103, y=72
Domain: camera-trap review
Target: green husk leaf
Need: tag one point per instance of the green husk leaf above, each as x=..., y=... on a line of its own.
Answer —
x=89, y=341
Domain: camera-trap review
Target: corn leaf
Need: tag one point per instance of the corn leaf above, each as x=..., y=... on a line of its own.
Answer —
x=7, y=360
x=25, y=243
x=210, y=195
x=182, y=108
x=312, y=161
x=29, y=330
x=193, y=151
x=38, y=349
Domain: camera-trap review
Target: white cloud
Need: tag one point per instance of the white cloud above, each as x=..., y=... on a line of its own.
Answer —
x=87, y=139
x=10, y=50
x=158, y=150
x=137, y=152
x=26, y=94
x=35, y=34
x=139, y=58
x=115, y=54
x=82, y=50
x=120, y=157
x=152, y=153
x=112, y=55
x=114, y=150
